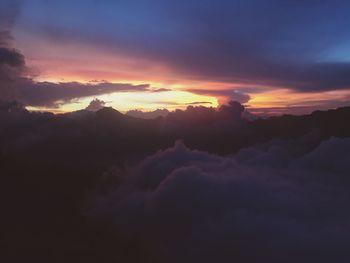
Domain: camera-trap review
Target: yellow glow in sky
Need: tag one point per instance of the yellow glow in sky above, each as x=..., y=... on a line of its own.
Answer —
x=145, y=101
x=288, y=98
x=67, y=62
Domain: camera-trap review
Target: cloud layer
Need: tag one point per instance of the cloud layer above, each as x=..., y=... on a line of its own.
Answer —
x=296, y=45
x=15, y=86
x=270, y=45
x=224, y=95
x=285, y=199
x=190, y=206
x=50, y=94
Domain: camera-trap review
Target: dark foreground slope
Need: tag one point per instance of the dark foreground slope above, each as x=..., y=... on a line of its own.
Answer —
x=51, y=163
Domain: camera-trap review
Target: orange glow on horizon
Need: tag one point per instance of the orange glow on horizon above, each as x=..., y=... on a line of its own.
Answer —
x=69, y=62
x=287, y=98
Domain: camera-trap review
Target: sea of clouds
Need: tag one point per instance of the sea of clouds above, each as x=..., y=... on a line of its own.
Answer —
x=255, y=206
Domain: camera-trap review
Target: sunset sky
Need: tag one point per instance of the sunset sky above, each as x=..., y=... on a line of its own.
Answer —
x=273, y=56
x=175, y=131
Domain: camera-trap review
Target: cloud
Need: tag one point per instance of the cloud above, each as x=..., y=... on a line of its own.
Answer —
x=263, y=45
x=5, y=38
x=11, y=58
x=199, y=103
x=300, y=110
x=224, y=95
x=211, y=119
x=190, y=206
x=12, y=65
x=149, y=114
x=9, y=11
x=12, y=62
x=161, y=90
x=269, y=49
x=48, y=94
x=286, y=199
x=96, y=105
x=15, y=86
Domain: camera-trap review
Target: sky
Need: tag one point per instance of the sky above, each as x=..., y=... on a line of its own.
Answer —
x=208, y=181
x=273, y=56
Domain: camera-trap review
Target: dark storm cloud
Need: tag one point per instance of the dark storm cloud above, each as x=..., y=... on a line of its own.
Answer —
x=190, y=206
x=292, y=44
